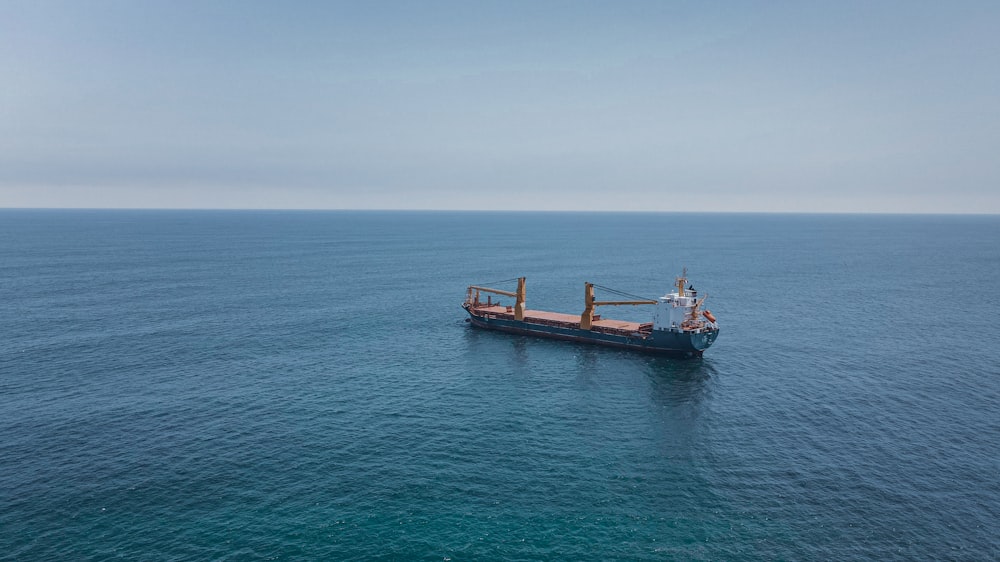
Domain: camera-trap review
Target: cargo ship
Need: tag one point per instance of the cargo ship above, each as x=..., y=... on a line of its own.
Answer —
x=679, y=326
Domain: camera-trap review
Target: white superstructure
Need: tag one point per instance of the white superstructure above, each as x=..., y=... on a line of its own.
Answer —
x=679, y=311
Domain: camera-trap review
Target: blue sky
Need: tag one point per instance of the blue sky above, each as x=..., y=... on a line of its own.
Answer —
x=700, y=106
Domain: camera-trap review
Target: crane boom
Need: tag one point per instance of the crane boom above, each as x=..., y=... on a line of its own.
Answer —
x=496, y=291
x=519, y=305
x=618, y=303
x=587, y=318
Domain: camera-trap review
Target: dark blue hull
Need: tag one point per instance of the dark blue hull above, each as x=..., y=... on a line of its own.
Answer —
x=680, y=344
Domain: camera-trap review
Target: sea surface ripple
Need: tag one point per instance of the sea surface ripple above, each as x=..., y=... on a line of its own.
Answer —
x=302, y=385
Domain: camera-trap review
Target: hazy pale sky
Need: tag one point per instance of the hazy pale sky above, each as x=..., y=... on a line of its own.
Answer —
x=703, y=106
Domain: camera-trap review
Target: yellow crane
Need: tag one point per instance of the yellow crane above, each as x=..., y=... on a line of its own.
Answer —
x=519, y=306
x=587, y=318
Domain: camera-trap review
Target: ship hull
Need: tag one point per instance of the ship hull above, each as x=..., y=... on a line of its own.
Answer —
x=662, y=342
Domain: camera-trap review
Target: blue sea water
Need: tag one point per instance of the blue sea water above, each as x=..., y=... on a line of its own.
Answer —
x=192, y=385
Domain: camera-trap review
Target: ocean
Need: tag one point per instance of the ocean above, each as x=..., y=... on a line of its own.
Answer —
x=240, y=385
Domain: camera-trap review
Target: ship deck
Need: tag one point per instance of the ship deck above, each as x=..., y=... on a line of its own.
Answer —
x=560, y=319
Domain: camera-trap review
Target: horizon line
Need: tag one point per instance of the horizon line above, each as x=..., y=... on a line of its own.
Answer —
x=566, y=211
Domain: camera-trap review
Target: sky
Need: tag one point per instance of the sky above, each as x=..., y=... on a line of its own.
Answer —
x=870, y=106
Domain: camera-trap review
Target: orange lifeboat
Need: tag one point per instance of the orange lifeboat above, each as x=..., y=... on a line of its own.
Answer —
x=709, y=315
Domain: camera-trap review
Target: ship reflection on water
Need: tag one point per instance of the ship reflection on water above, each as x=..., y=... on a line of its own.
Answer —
x=674, y=381
x=671, y=381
